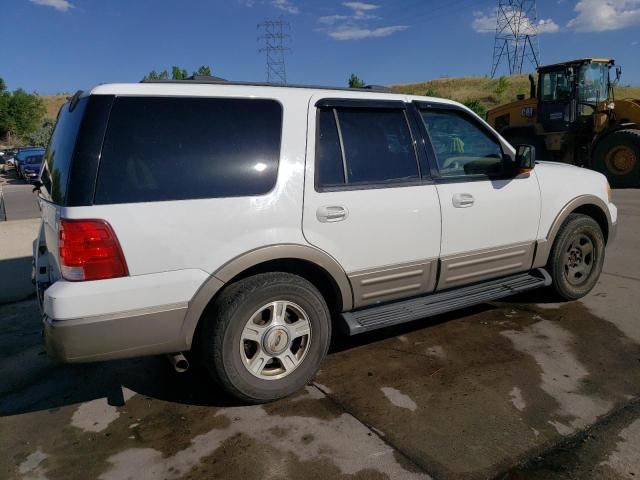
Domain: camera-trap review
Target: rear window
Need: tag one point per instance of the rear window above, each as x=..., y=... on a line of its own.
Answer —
x=57, y=158
x=186, y=148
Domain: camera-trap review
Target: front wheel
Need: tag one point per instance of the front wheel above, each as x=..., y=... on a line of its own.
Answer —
x=266, y=336
x=576, y=257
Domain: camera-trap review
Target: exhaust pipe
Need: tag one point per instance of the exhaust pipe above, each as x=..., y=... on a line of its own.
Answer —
x=179, y=362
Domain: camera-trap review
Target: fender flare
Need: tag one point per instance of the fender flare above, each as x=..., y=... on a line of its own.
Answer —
x=255, y=257
x=543, y=247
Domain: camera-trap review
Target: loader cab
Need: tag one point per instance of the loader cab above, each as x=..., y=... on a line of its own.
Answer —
x=570, y=93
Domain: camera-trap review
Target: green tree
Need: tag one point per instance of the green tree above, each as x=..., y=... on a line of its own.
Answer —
x=501, y=87
x=23, y=113
x=356, y=82
x=178, y=73
x=477, y=106
x=204, y=70
x=153, y=75
x=42, y=134
x=5, y=123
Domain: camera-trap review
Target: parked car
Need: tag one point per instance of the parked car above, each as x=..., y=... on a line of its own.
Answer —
x=31, y=168
x=304, y=210
x=21, y=156
x=8, y=157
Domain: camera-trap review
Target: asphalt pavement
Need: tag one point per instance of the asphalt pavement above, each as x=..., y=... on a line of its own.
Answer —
x=16, y=195
x=521, y=389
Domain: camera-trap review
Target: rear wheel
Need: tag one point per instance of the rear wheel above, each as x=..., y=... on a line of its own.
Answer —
x=266, y=336
x=576, y=257
x=617, y=156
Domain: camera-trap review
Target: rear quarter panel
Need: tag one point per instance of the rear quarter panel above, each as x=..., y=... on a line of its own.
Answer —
x=207, y=233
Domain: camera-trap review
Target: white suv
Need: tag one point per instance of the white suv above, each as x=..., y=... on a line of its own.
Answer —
x=243, y=222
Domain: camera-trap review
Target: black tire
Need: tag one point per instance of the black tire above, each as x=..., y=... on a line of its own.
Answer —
x=626, y=171
x=222, y=330
x=569, y=249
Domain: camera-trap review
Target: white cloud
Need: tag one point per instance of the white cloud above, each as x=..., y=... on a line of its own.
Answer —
x=331, y=19
x=61, y=5
x=357, y=33
x=361, y=6
x=603, y=15
x=286, y=6
x=356, y=25
x=486, y=23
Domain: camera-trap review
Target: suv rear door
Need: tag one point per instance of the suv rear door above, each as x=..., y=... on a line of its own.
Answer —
x=366, y=202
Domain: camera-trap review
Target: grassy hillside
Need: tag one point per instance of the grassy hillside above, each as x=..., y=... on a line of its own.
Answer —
x=490, y=92
x=484, y=89
x=53, y=103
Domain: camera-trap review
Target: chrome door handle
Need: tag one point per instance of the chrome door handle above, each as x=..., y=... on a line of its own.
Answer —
x=463, y=200
x=332, y=213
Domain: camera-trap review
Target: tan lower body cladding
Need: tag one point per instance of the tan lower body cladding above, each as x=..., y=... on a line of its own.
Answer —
x=413, y=279
x=457, y=270
x=393, y=282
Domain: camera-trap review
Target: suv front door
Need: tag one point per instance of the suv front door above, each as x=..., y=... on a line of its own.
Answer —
x=489, y=216
x=366, y=202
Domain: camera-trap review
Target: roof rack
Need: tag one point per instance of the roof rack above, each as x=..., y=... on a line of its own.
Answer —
x=212, y=80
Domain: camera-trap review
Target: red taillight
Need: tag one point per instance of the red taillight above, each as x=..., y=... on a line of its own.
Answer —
x=89, y=250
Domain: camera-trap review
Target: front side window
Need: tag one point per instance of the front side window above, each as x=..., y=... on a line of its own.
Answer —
x=376, y=143
x=176, y=148
x=461, y=146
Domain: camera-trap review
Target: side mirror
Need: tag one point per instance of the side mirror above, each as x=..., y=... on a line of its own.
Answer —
x=525, y=158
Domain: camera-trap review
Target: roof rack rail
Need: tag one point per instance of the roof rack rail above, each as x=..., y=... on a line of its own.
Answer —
x=209, y=79
x=192, y=78
x=378, y=88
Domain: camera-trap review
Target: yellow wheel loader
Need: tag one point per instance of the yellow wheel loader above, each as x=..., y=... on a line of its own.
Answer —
x=573, y=117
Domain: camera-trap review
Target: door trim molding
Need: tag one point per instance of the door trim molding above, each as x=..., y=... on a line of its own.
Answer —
x=479, y=265
x=393, y=282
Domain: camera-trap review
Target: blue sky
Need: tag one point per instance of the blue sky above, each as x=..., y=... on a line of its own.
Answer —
x=63, y=45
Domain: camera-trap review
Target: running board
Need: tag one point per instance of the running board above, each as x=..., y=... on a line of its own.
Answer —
x=372, y=318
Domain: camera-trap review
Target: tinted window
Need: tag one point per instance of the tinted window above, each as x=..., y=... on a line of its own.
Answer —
x=182, y=148
x=555, y=86
x=461, y=146
x=33, y=160
x=60, y=150
x=378, y=146
x=328, y=154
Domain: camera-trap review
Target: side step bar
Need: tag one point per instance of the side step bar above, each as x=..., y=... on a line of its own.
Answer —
x=372, y=318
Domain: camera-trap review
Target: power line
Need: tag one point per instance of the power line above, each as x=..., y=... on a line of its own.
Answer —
x=516, y=39
x=274, y=48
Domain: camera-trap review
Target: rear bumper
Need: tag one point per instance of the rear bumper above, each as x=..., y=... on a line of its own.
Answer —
x=119, y=318
x=129, y=334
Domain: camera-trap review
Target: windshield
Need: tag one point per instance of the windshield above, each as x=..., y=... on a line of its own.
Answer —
x=28, y=153
x=593, y=83
x=555, y=86
x=34, y=160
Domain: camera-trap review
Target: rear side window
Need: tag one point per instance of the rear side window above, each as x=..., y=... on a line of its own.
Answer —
x=376, y=143
x=186, y=148
x=57, y=158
